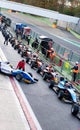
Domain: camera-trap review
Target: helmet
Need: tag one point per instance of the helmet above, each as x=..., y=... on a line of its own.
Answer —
x=52, y=49
x=76, y=62
x=23, y=60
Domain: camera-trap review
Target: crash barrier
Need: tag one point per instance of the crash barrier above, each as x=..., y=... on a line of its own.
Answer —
x=64, y=60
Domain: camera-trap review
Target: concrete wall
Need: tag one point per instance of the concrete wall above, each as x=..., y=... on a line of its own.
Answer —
x=73, y=26
x=37, y=11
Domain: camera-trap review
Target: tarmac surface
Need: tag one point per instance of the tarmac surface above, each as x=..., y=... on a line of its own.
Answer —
x=15, y=111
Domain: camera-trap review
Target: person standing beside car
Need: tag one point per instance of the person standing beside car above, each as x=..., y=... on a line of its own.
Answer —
x=75, y=71
x=21, y=65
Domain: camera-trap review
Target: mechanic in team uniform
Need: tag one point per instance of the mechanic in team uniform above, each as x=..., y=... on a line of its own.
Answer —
x=21, y=65
x=75, y=71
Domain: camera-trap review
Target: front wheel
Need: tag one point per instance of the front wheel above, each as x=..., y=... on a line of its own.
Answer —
x=30, y=74
x=51, y=85
x=44, y=77
x=19, y=77
x=74, y=109
x=60, y=94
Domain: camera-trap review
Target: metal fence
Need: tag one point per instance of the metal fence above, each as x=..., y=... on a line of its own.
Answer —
x=61, y=50
x=64, y=60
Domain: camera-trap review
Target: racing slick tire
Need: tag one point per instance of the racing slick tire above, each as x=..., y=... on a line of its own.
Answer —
x=22, y=54
x=18, y=77
x=38, y=70
x=44, y=77
x=30, y=74
x=32, y=65
x=60, y=94
x=12, y=44
x=51, y=85
x=19, y=50
x=15, y=47
x=74, y=109
x=27, y=60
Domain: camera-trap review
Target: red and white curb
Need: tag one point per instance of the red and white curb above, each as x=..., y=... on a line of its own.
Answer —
x=30, y=117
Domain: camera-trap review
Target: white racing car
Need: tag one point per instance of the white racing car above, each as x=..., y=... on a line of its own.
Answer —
x=6, y=68
x=20, y=75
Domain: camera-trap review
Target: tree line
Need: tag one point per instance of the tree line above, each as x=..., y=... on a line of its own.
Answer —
x=68, y=7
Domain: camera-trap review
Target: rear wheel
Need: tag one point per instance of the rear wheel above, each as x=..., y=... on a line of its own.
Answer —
x=44, y=77
x=15, y=47
x=75, y=109
x=38, y=70
x=19, y=77
x=60, y=95
x=21, y=54
x=12, y=44
x=19, y=50
x=32, y=65
x=27, y=60
x=30, y=74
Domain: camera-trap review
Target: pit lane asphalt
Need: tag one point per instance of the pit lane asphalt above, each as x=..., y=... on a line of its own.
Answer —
x=16, y=112
x=11, y=113
x=50, y=112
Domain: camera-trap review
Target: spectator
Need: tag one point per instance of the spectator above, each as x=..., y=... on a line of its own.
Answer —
x=21, y=65
x=75, y=71
x=51, y=54
x=6, y=39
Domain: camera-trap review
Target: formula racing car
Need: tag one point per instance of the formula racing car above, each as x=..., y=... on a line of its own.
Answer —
x=20, y=75
x=64, y=90
x=6, y=68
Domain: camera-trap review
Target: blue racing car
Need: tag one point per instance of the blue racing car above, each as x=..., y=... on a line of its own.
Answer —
x=7, y=69
x=64, y=90
x=22, y=75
